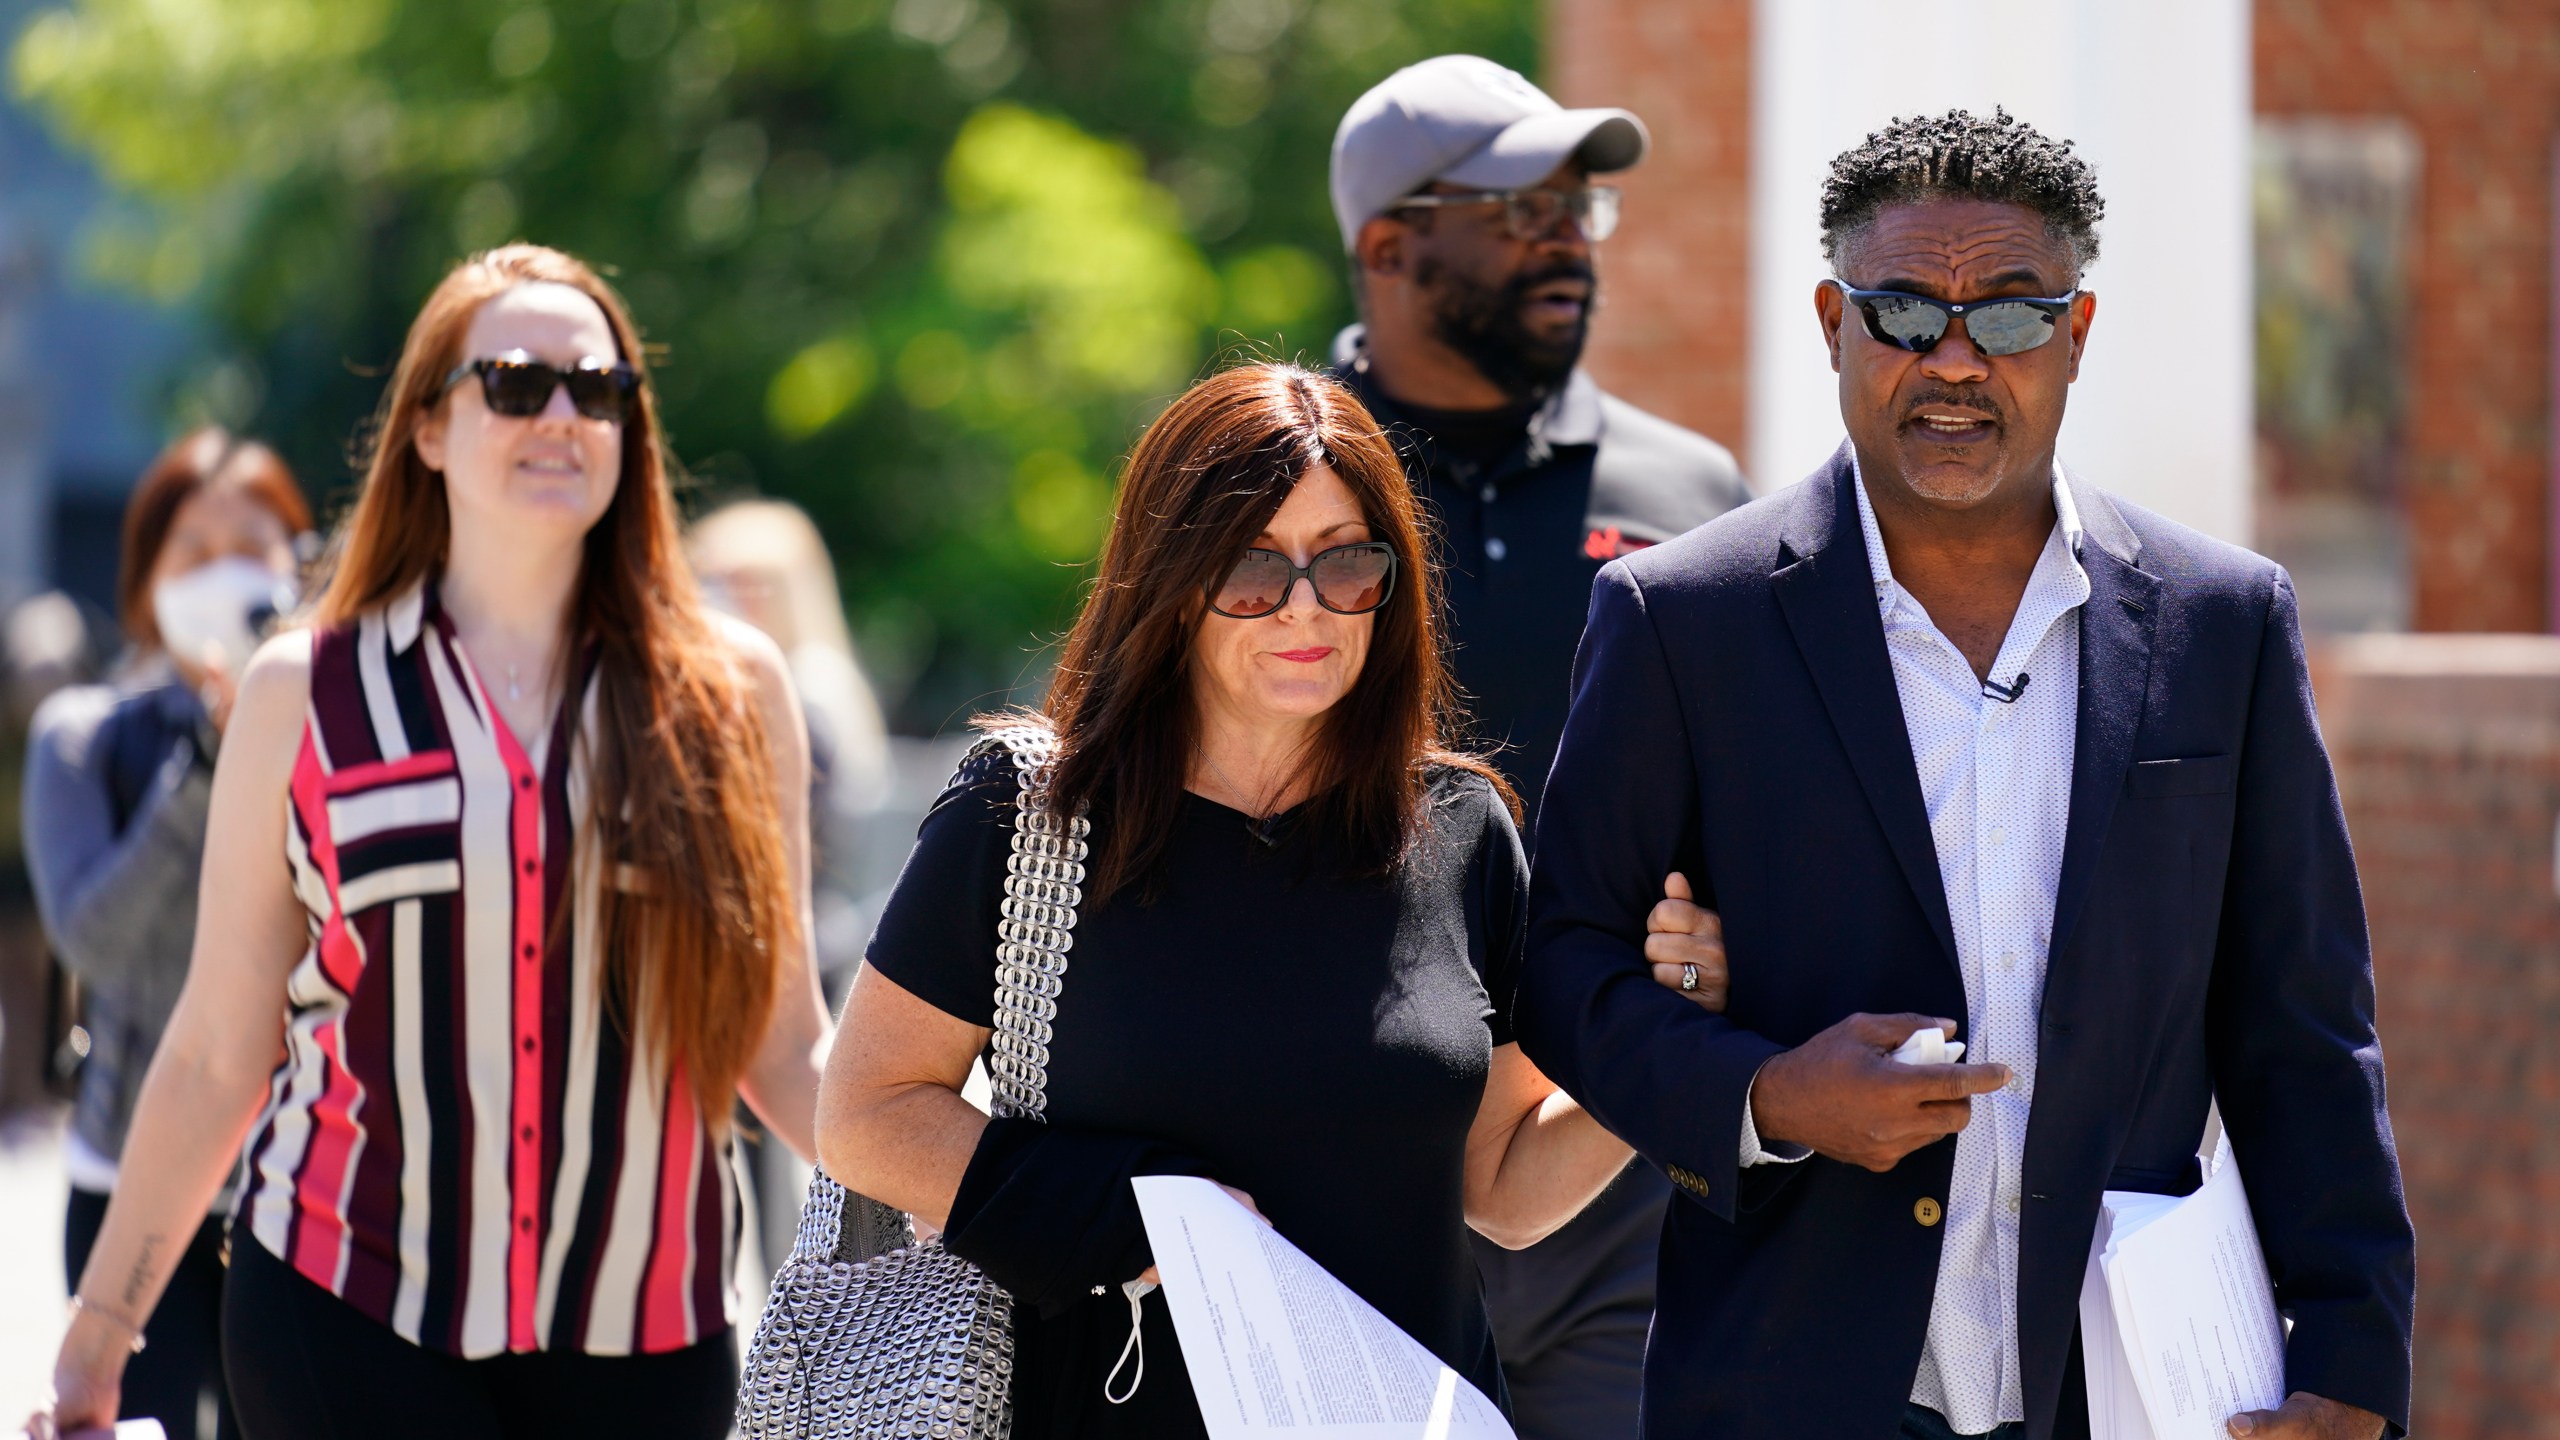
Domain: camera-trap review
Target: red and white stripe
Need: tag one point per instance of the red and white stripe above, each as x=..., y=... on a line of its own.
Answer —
x=461, y=1140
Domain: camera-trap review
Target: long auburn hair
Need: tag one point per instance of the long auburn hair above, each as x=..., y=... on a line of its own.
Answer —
x=682, y=788
x=1204, y=481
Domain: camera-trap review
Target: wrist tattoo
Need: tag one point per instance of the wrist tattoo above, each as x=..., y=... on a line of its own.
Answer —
x=138, y=1280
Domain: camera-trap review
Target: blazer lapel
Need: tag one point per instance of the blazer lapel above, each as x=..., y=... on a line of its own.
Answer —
x=2115, y=684
x=1827, y=593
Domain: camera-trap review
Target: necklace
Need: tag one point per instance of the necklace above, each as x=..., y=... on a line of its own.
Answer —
x=1258, y=810
x=1259, y=817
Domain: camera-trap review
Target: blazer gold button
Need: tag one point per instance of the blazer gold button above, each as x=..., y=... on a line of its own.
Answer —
x=1926, y=1211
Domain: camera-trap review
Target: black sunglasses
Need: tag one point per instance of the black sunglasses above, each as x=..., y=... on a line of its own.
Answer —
x=517, y=384
x=1348, y=580
x=2007, y=326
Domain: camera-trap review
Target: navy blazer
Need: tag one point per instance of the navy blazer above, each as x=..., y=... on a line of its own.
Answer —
x=1735, y=717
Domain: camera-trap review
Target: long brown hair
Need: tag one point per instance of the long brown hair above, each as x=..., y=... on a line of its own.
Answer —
x=683, y=786
x=196, y=461
x=1205, y=479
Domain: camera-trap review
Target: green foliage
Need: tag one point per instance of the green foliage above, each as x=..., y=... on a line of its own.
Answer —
x=921, y=265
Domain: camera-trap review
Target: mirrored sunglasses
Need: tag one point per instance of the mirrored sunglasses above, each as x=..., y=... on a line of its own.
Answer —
x=2007, y=326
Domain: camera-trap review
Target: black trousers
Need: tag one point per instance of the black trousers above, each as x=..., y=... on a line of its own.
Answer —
x=1570, y=1313
x=305, y=1365
x=181, y=1358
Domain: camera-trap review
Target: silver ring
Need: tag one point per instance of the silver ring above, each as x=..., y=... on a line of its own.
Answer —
x=1688, y=976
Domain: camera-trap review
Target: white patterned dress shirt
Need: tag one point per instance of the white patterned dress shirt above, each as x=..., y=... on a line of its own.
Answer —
x=1996, y=777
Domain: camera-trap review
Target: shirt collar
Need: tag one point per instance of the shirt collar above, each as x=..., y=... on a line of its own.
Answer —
x=405, y=616
x=1571, y=416
x=2060, y=562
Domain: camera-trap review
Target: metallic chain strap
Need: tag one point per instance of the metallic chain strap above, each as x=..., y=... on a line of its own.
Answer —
x=1043, y=886
x=916, y=1342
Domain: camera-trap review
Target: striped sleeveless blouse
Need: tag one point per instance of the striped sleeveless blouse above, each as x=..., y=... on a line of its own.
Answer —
x=463, y=1140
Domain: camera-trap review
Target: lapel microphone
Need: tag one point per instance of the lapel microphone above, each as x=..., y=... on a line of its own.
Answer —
x=2006, y=694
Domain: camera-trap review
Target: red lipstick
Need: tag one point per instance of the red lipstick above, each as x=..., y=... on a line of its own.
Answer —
x=1308, y=656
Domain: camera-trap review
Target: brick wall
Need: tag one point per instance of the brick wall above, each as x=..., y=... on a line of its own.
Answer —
x=2448, y=753
x=2479, y=80
x=1674, y=332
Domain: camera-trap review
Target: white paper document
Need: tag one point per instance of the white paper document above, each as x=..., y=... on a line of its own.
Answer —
x=1277, y=1346
x=2178, y=1321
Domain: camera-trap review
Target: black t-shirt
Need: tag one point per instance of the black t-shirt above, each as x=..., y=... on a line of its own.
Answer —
x=1315, y=1039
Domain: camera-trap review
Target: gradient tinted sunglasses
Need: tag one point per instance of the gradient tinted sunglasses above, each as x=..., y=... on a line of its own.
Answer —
x=1531, y=212
x=2007, y=326
x=517, y=384
x=1348, y=580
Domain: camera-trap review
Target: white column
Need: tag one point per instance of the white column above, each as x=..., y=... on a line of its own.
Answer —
x=2155, y=95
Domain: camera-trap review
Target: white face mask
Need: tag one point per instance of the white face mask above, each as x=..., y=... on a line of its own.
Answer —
x=222, y=610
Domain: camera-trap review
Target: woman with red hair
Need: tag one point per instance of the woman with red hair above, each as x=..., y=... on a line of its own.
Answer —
x=508, y=863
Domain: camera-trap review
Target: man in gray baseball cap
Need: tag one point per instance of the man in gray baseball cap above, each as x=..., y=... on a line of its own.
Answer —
x=1465, y=199
x=1467, y=121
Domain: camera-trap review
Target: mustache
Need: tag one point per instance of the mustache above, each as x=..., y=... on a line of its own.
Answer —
x=1563, y=269
x=1955, y=397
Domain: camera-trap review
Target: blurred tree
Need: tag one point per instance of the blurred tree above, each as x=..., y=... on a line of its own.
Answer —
x=921, y=265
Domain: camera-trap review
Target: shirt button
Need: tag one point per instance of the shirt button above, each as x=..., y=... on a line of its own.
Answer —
x=2008, y=959
x=528, y=952
x=1927, y=1212
x=1494, y=549
x=525, y=1223
x=526, y=1133
x=524, y=782
x=528, y=867
x=1998, y=834
x=528, y=1044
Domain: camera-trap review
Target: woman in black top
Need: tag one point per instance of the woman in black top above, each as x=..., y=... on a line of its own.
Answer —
x=1293, y=963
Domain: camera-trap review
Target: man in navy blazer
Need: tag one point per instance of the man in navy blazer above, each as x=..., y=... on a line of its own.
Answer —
x=1953, y=739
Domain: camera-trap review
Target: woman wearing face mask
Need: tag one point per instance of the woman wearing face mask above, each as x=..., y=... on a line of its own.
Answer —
x=507, y=861
x=1298, y=933
x=117, y=781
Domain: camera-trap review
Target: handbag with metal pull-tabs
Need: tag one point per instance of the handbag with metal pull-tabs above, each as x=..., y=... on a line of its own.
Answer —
x=870, y=1334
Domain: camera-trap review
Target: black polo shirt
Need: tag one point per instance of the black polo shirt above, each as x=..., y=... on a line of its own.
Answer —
x=1527, y=506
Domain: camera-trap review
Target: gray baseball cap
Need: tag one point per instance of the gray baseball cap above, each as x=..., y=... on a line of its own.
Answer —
x=1466, y=120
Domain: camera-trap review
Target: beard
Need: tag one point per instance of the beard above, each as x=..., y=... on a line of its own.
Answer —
x=1485, y=324
x=1960, y=487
